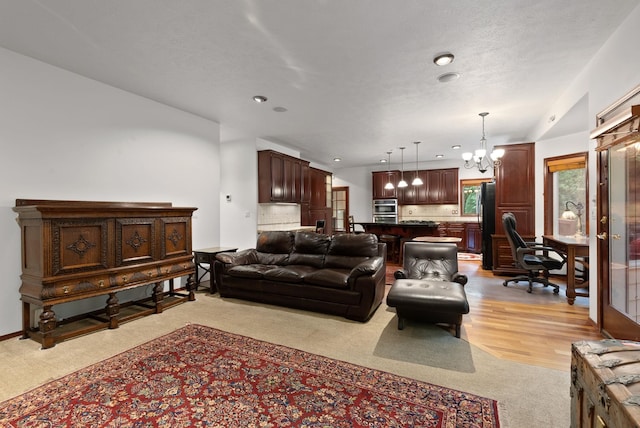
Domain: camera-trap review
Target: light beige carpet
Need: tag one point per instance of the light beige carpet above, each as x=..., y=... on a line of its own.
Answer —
x=527, y=395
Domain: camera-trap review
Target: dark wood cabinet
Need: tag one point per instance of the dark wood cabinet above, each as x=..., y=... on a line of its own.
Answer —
x=474, y=237
x=74, y=250
x=318, y=206
x=449, y=186
x=515, y=184
x=454, y=230
x=281, y=178
x=440, y=186
x=380, y=179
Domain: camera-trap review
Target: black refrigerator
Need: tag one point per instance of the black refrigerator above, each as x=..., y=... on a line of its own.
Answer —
x=488, y=223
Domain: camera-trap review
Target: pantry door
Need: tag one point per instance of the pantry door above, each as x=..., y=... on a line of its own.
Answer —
x=619, y=225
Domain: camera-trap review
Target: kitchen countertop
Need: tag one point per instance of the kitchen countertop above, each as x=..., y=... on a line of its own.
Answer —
x=425, y=224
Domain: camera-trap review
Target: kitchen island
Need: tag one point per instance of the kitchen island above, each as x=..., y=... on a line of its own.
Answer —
x=405, y=230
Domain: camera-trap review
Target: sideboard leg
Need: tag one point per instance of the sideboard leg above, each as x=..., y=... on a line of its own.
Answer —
x=158, y=295
x=26, y=320
x=191, y=287
x=112, y=310
x=47, y=325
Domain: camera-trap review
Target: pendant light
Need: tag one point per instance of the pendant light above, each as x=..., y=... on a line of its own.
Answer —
x=389, y=185
x=417, y=181
x=402, y=183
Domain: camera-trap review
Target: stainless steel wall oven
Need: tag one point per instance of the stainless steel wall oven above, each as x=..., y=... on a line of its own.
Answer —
x=385, y=211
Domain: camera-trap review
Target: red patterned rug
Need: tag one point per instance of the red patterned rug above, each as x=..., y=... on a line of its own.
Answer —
x=199, y=376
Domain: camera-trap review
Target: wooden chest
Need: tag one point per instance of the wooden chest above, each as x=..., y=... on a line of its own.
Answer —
x=605, y=384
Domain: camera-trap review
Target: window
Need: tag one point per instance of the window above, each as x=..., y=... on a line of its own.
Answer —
x=470, y=196
x=566, y=196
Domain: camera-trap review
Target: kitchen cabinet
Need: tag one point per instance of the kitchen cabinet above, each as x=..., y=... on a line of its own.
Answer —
x=514, y=177
x=380, y=179
x=440, y=186
x=281, y=178
x=474, y=237
x=455, y=230
x=318, y=206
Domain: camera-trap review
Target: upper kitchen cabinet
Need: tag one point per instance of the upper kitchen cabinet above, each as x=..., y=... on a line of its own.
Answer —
x=442, y=186
x=318, y=205
x=380, y=179
x=282, y=178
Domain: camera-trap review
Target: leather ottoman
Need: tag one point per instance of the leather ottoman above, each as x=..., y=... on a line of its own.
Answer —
x=431, y=301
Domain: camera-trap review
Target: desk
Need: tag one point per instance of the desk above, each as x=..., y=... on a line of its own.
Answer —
x=572, y=247
x=208, y=256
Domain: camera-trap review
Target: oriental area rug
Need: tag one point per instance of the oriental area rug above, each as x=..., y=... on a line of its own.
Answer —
x=198, y=376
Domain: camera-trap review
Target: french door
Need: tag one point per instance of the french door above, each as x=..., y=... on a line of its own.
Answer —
x=619, y=226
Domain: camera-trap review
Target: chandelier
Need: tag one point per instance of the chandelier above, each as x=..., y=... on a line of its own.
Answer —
x=479, y=158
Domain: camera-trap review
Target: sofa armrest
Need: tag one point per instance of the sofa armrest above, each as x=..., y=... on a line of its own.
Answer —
x=244, y=257
x=400, y=274
x=460, y=278
x=366, y=268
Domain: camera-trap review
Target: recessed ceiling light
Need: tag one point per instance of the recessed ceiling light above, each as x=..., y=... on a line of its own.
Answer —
x=259, y=98
x=455, y=146
x=337, y=159
x=443, y=59
x=279, y=109
x=383, y=161
x=448, y=77
x=439, y=156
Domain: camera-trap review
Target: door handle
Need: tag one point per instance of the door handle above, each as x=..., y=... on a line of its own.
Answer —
x=602, y=235
x=616, y=236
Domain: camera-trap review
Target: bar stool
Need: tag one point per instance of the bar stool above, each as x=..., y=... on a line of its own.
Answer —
x=393, y=247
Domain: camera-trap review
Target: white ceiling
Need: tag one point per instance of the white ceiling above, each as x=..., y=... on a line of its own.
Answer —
x=356, y=77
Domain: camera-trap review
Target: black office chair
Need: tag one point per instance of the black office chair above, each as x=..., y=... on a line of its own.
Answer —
x=530, y=256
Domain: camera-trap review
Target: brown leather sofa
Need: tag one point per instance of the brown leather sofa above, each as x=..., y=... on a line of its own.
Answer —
x=341, y=275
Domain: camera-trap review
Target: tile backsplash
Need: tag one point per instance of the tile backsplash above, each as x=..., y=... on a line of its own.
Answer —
x=278, y=216
x=430, y=212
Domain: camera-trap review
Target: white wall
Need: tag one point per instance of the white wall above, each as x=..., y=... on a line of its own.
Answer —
x=66, y=137
x=239, y=178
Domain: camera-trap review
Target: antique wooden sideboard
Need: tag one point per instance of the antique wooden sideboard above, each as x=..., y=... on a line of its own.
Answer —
x=74, y=250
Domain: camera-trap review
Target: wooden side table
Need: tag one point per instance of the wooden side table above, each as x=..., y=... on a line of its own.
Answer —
x=208, y=256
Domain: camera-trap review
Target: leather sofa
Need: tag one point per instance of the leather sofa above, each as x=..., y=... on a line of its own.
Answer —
x=341, y=275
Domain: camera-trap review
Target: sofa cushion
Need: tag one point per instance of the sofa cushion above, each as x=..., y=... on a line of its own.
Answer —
x=291, y=273
x=309, y=249
x=349, y=244
x=271, y=259
x=275, y=242
x=332, y=278
x=349, y=250
x=255, y=271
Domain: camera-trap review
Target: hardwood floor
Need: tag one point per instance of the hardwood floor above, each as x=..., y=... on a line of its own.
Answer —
x=509, y=323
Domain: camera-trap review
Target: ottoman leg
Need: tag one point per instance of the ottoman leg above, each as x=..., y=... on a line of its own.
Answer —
x=400, y=323
x=458, y=331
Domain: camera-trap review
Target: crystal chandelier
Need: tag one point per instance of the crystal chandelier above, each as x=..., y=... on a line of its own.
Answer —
x=479, y=159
